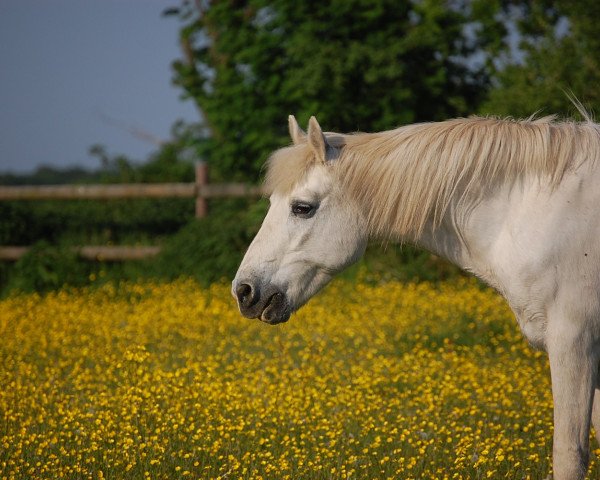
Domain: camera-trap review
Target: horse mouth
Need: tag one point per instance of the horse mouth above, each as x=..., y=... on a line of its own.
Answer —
x=276, y=310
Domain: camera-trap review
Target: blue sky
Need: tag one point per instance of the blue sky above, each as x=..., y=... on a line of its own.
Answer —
x=78, y=72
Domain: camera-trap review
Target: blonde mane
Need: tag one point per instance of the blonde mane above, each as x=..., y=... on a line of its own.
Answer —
x=406, y=176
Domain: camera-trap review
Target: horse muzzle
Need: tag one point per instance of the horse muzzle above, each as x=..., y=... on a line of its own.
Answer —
x=268, y=304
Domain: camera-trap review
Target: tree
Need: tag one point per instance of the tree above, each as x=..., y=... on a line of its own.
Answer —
x=559, y=55
x=355, y=64
x=173, y=161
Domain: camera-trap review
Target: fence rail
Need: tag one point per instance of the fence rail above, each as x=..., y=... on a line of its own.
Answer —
x=96, y=253
x=116, y=191
x=97, y=192
x=201, y=190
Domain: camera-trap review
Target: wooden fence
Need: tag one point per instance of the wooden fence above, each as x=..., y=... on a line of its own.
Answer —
x=201, y=190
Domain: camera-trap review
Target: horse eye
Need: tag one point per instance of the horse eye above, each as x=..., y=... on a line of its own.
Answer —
x=303, y=210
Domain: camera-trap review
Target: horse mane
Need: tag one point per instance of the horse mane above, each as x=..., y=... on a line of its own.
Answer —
x=406, y=176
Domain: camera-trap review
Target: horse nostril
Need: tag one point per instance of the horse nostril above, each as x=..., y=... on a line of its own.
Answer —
x=245, y=294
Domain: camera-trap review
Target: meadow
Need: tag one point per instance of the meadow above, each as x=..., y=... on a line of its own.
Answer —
x=371, y=380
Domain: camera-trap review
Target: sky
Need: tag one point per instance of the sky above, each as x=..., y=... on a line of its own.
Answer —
x=74, y=73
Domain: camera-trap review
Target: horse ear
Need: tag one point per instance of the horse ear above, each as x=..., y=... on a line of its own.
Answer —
x=297, y=134
x=317, y=140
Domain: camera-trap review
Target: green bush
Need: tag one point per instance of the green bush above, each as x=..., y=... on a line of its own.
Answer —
x=403, y=263
x=45, y=267
x=85, y=222
x=211, y=248
x=207, y=249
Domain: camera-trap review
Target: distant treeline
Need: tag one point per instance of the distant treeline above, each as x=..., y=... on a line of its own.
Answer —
x=46, y=175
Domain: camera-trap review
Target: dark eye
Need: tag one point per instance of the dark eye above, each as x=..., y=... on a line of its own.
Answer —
x=303, y=209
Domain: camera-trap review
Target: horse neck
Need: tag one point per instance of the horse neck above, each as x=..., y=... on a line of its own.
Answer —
x=446, y=242
x=467, y=232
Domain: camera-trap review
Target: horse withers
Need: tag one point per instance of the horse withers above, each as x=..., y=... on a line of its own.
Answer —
x=513, y=202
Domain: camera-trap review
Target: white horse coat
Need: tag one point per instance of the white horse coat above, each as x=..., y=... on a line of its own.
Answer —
x=515, y=203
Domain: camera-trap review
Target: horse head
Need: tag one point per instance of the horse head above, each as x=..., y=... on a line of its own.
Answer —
x=312, y=230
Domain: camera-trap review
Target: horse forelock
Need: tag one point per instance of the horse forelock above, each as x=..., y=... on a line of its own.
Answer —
x=286, y=167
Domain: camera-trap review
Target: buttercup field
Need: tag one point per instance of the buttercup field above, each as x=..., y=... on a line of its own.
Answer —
x=374, y=380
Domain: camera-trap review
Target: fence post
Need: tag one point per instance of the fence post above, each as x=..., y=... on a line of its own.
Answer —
x=201, y=180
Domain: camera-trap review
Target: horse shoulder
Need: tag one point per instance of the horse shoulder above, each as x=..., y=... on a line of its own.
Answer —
x=539, y=249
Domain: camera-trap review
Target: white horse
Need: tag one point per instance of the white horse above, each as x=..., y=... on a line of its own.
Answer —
x=516, y=203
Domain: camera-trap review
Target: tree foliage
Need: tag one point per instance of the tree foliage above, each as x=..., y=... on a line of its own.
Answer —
x=558, y=56
x=355, y=64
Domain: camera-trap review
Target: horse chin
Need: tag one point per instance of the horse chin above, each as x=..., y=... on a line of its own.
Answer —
x=275, y=319
x=277, y=310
